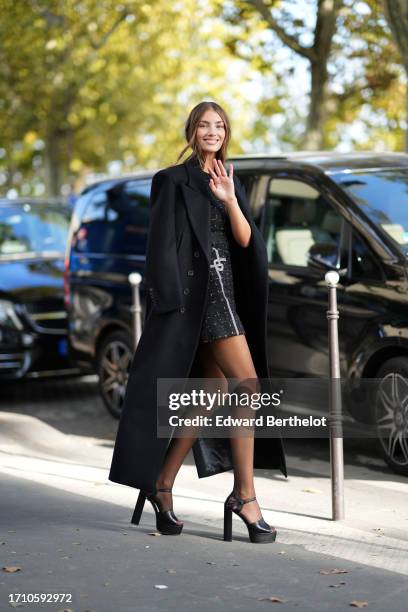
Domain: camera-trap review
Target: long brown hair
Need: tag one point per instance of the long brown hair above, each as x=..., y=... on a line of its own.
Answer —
x=190, y=131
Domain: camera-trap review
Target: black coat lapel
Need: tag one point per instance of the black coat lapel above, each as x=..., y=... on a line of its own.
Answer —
x=198, y=210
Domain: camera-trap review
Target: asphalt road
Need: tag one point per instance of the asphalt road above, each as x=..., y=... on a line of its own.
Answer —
x=66, y=527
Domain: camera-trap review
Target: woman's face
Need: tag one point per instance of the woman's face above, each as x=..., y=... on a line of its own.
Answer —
x=210, y=132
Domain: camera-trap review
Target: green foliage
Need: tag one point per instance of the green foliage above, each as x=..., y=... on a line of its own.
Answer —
x=83, y=83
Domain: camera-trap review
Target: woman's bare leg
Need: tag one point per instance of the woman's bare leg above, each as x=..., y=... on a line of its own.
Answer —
x=179, y=447
x=233, y=357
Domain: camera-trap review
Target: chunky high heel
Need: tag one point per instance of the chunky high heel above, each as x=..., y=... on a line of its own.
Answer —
x=259, y=531
x=166, y=520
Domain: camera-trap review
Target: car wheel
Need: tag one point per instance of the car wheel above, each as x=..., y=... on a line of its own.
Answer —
x=113, y=363
x=391, y=413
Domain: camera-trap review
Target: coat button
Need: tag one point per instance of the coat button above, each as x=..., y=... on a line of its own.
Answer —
x=196, y=254
x=190, y=272
x=186, y=291
x=182, y=309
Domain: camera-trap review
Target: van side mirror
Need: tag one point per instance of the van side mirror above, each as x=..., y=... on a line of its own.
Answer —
x=324, y=256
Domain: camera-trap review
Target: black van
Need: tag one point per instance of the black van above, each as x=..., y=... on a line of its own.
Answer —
x=317, y=211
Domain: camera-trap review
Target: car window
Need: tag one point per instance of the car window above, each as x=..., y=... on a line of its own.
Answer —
x=296, y=217
x=116, y=220
x=248, y=180
x=33, y=228
x=383, y=196
x=364, y=264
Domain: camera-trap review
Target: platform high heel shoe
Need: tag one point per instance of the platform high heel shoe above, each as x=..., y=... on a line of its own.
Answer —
x=166, y=520
x=259, y=531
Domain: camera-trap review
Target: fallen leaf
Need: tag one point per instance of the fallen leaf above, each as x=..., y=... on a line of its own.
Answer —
x=171, y=571
x=11, y=569
x=154, y=533
x=333, y=571
x=337, y=585
x=273, y=599
x=311, y=490
x=211, y=563
x=161, y=586
x=359, y=604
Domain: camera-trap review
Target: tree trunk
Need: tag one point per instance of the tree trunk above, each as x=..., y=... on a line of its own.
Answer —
x=396, y=12
x=313, y=136
x=318, y=55
x=53, y=164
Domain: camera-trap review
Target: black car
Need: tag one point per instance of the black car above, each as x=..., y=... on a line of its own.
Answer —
x=33, y=321
x=317, y=211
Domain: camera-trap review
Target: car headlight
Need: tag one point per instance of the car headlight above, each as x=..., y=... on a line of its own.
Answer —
x=8, y=315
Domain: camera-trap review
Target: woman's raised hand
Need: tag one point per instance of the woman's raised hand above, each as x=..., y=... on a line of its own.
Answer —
x=221, y=183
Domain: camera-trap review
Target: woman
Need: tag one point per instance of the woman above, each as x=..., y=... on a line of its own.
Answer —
x=207, y=286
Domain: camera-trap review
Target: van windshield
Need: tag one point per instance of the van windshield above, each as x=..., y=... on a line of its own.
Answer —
x=33, y=229
x=382, y=194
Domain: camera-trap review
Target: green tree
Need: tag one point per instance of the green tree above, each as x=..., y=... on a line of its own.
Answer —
x=84, y=83
x=396, y=12
x=292, y=29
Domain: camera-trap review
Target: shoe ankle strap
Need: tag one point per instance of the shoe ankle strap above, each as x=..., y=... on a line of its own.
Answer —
x=165, y=490
x=243, y=501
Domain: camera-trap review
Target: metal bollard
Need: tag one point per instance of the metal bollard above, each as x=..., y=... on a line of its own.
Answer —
x=335, y=402
x=135, y=279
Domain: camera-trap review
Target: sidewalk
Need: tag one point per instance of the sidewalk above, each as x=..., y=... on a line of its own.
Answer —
x=68, y=528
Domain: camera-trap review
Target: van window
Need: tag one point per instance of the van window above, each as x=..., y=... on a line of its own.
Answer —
x=364, y=264
x=116, y=220
x=297, y=216
x=382, y=194
x=249, y=182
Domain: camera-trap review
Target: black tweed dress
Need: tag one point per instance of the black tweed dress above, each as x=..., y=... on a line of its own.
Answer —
x=221, y=319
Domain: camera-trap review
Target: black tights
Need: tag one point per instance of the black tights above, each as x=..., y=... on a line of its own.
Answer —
x=223, y=358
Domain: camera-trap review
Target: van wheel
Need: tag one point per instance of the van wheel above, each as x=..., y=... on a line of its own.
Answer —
x=391, y=413
x=113, y=363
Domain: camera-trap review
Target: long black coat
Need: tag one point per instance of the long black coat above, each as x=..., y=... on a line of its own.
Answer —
x=176, y=276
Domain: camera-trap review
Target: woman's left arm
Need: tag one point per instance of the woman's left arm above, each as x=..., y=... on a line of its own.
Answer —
x=239, y=225
x=222, y=185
